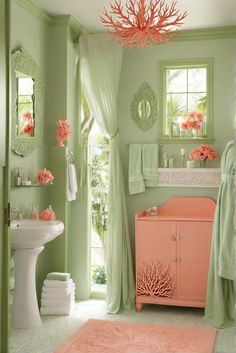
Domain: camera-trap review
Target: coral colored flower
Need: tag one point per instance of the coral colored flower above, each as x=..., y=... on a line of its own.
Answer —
x=63, y=129
x=203, y=152
x=28, y=129
x=47, y=215
x=44, y=176
x=193, y=121
x=27, y=115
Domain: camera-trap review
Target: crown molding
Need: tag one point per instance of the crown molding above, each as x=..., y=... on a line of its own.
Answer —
x=35, y=10
x=182, y=35
x=205, y=34
x=70, y=21
x=47, y=18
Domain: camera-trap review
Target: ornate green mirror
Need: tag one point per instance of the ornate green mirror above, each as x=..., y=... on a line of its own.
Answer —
x=26, y=132
x=144, y=107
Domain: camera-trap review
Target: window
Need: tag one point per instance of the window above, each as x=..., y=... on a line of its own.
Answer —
x=186, y=100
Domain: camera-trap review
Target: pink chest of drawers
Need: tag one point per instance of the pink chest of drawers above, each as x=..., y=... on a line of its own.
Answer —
x=173, y=252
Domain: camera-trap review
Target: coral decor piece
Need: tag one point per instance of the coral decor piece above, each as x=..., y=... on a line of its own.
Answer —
x=44, y=176
x=155, y=279
x=63, y=132
x=142, y=24
x=203, y=153
x=47, y=215
x=193, y=121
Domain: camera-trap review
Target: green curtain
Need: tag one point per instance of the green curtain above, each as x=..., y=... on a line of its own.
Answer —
x=220, y=302
x=100, y=65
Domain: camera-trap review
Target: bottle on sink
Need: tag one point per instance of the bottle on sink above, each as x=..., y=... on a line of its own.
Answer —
x=34, y=212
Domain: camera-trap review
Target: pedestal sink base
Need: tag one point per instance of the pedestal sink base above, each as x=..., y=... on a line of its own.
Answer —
x=25, y=304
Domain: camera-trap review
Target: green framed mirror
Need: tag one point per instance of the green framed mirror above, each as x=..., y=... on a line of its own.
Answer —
x=27, y=100
x=144, y=107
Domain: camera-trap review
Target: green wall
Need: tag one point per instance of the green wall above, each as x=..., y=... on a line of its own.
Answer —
x=32, y=34
x=142, y=65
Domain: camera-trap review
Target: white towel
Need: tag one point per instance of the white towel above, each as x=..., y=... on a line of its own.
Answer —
x=72, y=187
x=136, y=183
x=56, y=310
x=61, y=291
x=58, y=284
x=52, y=303
x=55, y=295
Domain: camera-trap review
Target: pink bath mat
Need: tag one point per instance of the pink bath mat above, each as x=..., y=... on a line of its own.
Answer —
x=101, y=336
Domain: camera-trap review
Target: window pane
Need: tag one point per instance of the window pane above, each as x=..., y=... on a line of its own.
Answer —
x=176, y=80
x=24, y=99
x=197, y=80
x=25, y=86
x=196, y=102
x=97, y=257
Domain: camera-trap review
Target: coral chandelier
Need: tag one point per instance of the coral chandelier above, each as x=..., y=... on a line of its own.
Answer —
x=142, y=24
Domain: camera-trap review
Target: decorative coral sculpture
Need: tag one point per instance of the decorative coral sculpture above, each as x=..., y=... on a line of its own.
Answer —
x=63, y=132
x=142, y=24
x=155, y=279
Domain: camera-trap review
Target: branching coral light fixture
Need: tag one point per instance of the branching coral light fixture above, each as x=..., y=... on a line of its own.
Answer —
x=142, y=24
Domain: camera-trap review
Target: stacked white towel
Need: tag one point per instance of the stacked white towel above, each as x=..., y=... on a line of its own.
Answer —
x=58, y=296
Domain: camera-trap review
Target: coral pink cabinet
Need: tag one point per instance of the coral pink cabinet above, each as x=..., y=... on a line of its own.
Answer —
x=173, y=251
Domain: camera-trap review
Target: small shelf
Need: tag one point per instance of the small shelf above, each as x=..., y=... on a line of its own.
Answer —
x=189, y=177
x=30, y=186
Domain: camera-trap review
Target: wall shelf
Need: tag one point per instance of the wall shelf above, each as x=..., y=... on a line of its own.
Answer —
x=189, y=177
x=29, y=186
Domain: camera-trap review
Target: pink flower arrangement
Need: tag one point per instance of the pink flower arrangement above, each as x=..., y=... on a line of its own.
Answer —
x=44, y=176
x=63, y=129
x=47, y=215
x=203, y=152
x=193, y=121
x=28, y=129
x=27, y=115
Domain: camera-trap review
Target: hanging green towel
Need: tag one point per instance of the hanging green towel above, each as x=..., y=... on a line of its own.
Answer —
x=58, y=276
x=136, y=183
x=150, y=164
x=220, y=301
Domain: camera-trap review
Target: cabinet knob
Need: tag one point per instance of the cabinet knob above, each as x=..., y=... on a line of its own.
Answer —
x=173, y=237
x=179, y=259
x=174, y=259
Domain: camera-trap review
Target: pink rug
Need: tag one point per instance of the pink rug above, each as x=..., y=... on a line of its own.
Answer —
x=100, y=336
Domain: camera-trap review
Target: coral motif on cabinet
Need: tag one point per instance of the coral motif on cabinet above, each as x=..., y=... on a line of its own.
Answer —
x=155, y=279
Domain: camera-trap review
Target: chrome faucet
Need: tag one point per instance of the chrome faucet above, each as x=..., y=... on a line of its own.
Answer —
x=15, y=211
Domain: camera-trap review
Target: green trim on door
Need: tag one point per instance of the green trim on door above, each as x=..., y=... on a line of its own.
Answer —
x=5, y=322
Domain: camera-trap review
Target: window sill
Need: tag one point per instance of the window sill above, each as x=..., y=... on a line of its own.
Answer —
x=189, y=177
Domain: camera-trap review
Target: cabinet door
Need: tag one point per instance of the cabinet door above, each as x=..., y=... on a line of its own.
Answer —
x=155, y=259
x=193, y=253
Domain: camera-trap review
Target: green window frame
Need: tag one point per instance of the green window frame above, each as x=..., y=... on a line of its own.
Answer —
x=167, y=122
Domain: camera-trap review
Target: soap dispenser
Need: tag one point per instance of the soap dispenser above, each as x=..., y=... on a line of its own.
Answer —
x=18, y=177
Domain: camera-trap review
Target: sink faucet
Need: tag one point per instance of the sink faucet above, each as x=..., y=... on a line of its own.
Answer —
x=15, y=211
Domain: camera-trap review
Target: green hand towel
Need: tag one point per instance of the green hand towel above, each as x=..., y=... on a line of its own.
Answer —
x=150, y=164
x=58, y=276
x=136, y=183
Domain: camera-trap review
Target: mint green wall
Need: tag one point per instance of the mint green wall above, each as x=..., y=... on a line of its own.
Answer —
x=32, y=34
x=142, y=65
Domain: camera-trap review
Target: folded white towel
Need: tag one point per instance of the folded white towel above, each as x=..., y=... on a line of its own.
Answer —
x=52, y=303
x=56, y=311
x=72, y=183
x=53, y=290
x=57, y=284
x=55, y=295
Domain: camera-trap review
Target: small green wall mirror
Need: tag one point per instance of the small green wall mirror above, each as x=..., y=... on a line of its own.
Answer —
x=26, y=133
x=144, y=107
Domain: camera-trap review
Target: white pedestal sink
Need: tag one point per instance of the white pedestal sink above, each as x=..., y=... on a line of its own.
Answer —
x=27, y=241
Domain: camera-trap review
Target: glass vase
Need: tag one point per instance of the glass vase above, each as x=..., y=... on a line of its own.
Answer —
x=203, y=163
